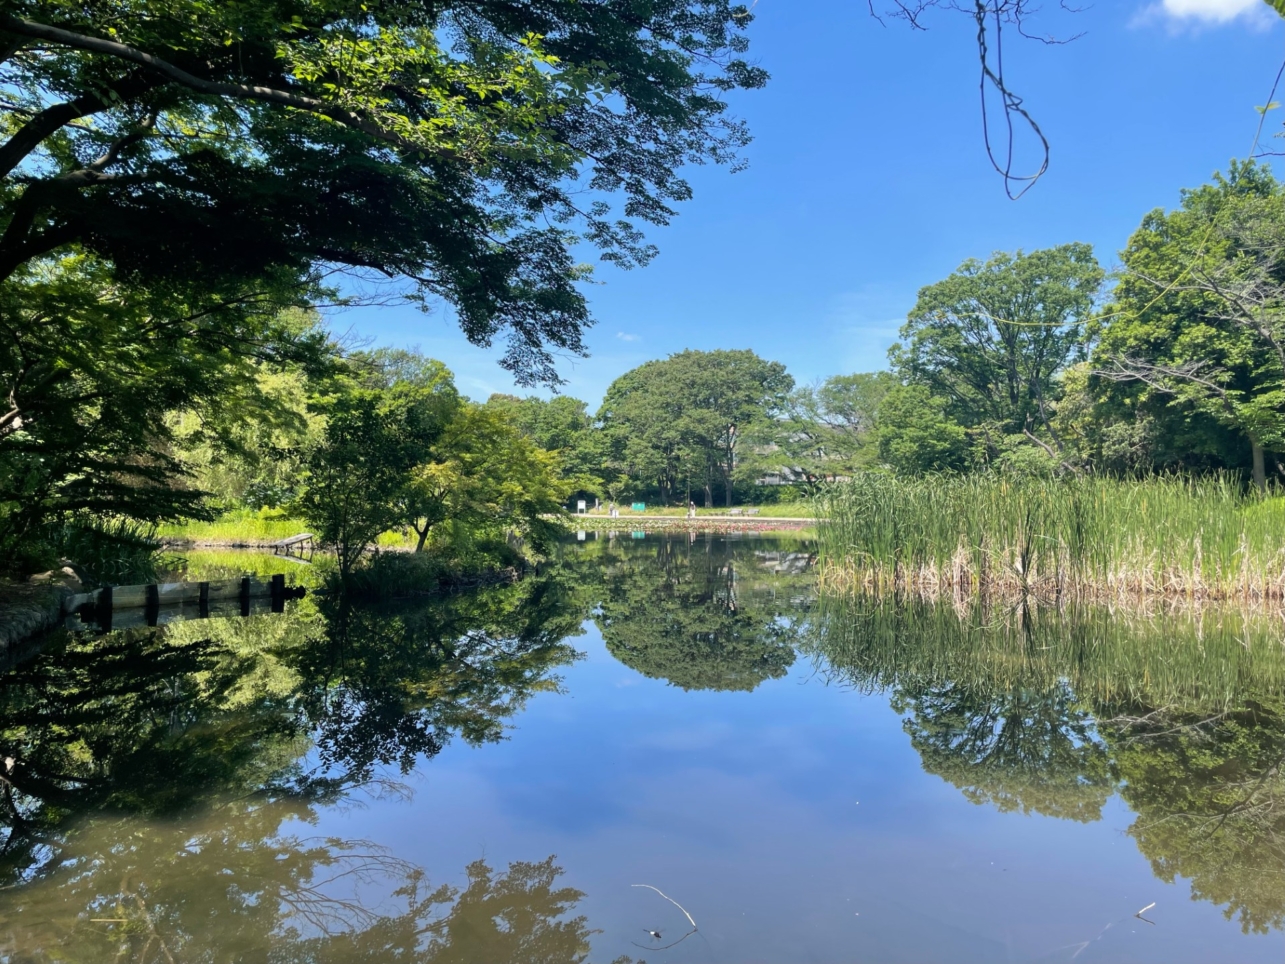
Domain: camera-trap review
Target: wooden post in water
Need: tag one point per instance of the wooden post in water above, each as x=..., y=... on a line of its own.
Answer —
x=203, y=599
x=279, y=593
x=245, y=595
x=105, y=608
x=152, y=606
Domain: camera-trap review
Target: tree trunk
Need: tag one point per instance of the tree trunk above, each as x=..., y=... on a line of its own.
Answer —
x=709, y=496
x=1260, y=471
x=728, y=482
x=423, y=536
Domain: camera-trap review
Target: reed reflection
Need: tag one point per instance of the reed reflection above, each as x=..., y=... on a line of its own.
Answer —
x=1052, y=711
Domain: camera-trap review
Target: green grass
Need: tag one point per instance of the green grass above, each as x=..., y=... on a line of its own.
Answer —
x=212, y=565
x=1204, y=538
x=244, y=526
x=794, y=510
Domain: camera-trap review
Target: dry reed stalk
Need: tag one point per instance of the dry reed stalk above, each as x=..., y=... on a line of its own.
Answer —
x=927, y=581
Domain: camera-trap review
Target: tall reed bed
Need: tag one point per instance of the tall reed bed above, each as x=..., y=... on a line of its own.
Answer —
x=1095, y=537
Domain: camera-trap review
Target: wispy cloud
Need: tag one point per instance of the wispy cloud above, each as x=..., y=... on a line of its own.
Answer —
x=1205, y=12
x=864, y=323
x=627, y=337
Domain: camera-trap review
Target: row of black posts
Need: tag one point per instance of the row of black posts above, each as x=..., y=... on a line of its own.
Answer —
x=101, y=610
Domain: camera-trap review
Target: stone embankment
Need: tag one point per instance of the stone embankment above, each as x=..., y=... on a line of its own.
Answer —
x=36, y=606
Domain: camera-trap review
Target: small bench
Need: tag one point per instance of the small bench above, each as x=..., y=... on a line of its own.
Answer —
x=751, y=511
x=288, y=547
x=735, y=511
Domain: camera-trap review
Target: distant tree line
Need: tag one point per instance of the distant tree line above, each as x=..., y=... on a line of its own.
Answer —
x=1028, y=362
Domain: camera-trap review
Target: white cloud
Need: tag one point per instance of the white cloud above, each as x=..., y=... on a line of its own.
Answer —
x=1208, y=11
x=623, y=337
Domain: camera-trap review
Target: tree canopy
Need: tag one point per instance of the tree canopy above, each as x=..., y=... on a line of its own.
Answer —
x=1193, y=339
x=682, y=421
x=184, y=143
x=992, y=338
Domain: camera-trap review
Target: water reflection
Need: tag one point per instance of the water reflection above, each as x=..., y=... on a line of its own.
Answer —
x=240, y=883
x=165, y=784
x=162, y=721
x=1180, y=713
x=698, y=614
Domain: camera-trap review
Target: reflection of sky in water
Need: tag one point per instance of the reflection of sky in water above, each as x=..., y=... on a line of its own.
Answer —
x=795, y=824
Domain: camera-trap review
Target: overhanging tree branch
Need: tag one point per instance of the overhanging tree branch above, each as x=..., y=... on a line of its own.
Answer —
x=177, y=75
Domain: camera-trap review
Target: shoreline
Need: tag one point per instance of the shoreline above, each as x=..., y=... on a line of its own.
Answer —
x=707, y=523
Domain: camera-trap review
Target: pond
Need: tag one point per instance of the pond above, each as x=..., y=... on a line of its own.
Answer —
x=655, y=749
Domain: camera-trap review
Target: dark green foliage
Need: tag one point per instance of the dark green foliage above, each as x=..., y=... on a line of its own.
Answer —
x=93, y=377
x=448, y=160
x=1190, y=345
x=108, y=552
x=916, y=435
x=688, y=422
x=177, y=173
x=992, y=338
x=830, y=428
x=563, y=425
x=356, y=479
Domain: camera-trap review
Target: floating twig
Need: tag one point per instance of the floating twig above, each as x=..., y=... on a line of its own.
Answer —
x=677, y=904
x=656, y=934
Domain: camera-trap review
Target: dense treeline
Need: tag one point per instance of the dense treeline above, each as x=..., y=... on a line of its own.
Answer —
x=1033, y=363
x=1030, y=364
x=183, y=182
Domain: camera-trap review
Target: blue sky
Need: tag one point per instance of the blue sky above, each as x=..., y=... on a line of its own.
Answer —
x=868, y=179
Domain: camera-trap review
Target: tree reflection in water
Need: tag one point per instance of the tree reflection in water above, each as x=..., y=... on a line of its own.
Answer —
x=1021, y=749
x=234, y=885
x=158, y=779
x=1052, y=713
x=712, y=615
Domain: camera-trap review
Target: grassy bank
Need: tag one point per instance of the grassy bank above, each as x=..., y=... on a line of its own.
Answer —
x=247, y=528
x=1081, y=536
x=244, y=527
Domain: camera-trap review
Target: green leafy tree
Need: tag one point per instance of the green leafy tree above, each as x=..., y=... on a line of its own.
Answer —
x=94, y=373
x=483, y=477
x=992, y=338
x=916, y=435
x=187, y=142
x=683, y=420
x=562, y=425
x=356, y=479
x=1194, y=333
x=830, y=427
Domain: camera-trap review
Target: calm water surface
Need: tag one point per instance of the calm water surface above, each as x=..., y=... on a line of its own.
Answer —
x=493, y=777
